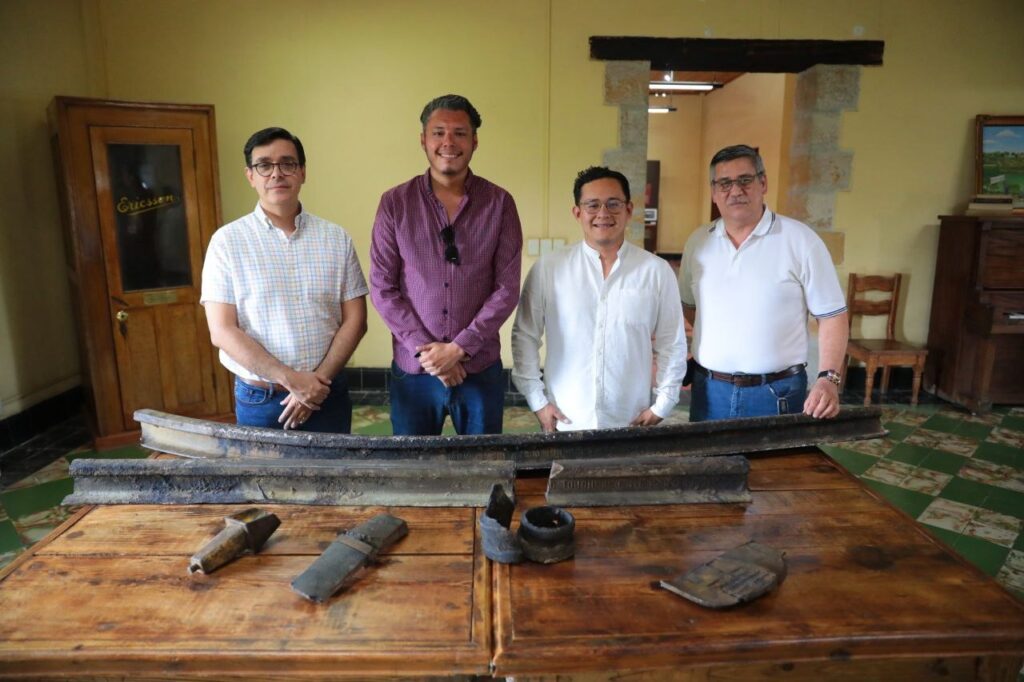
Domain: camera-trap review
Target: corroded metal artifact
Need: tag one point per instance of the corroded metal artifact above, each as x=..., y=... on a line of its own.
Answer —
x=246, y=531
x=740, y=575
x=232, y=481
x=350, y=552
x=205, y=439
x=500, y=543
x=547, y=534
x=648, y=480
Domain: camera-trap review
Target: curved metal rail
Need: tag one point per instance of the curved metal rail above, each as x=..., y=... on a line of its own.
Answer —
x=197, y=438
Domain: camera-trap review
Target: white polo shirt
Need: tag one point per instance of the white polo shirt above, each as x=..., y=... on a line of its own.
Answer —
x=752, y=302
x=287, y=290
x=602, y=336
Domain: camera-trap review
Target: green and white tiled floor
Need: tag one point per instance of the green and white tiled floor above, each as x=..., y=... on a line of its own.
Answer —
x=960, y=476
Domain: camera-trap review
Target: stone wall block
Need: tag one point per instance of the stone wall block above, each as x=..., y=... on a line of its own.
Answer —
x=626, y=82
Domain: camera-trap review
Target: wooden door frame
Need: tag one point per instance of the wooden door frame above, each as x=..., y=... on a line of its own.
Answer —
x=70, y=119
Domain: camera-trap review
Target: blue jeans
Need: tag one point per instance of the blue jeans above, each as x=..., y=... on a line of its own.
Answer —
x=420, y=402
x=714, y=399
x=261, y=407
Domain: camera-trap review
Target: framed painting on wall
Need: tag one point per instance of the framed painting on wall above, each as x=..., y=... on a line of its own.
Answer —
x=999, y=155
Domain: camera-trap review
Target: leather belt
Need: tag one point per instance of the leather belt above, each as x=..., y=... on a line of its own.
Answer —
x=745, y=380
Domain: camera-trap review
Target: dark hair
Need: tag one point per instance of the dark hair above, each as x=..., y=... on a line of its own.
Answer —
x=452, y=103
x=737, y=151
x=268, y=135
x=597, y=173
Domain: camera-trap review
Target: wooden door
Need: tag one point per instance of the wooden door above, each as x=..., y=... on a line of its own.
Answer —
x=141, y=203
x=149, y=227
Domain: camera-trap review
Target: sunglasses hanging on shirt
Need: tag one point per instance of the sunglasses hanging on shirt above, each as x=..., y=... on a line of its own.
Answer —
x=451, y=252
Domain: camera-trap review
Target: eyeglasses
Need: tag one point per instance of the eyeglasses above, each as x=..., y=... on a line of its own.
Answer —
x=451, y=252
x=265, y=168
x=593, y=207
x=725, y=184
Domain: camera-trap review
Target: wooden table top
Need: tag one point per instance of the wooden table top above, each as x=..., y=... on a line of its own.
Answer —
x=109, y=593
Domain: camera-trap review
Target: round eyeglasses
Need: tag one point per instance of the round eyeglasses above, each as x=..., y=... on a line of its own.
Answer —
x=593, y=207
x=265, y=168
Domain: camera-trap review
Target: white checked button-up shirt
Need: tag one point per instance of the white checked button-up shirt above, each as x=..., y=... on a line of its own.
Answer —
x=599, y=336
x=287, y=290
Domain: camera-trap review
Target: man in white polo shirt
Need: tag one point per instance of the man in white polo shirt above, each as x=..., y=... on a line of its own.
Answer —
x=285, y=298
x=748, y=282
x=598, y=304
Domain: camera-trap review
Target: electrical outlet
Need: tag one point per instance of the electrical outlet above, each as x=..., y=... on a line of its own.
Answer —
x=545, y=246
x=532, y=247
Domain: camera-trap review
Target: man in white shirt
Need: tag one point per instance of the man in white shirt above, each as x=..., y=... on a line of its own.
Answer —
x=599, y=304
x=285, y=298
x=748, y=282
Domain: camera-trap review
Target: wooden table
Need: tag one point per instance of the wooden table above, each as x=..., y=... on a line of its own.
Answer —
x=869, y=596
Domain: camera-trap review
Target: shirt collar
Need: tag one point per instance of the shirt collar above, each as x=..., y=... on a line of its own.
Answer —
x=300, y=219
x=428, y=189
x=763, y=227
x=593, y=253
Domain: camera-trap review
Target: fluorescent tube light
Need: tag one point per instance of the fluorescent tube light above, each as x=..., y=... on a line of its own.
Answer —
x=682, y=87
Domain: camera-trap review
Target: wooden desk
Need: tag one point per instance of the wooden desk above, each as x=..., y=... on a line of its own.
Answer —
x=869, y=596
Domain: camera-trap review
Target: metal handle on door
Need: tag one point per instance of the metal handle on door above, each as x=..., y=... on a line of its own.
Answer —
x=122, y=315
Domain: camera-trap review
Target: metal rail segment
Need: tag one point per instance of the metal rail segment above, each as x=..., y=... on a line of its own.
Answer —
x=197, y=438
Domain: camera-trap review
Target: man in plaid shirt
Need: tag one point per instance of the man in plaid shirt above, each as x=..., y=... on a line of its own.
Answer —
x=285, y=298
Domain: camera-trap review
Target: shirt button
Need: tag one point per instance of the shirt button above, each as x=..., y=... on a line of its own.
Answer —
x=446, y=339
x=444, y=312
x=446, y=285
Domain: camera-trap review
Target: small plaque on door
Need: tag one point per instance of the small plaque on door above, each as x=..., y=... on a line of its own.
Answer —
x=159, y=297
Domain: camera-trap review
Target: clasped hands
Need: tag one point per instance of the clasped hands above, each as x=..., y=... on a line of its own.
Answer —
x=306, y=391
x=444, y=361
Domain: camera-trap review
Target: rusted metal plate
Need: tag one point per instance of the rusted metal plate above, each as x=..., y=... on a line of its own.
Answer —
x=347, y=555
x=341, y=482
x=199, y=438
x=740, y=575
x=648, y=480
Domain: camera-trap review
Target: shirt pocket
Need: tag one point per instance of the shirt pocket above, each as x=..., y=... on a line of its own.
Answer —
x=632, y=307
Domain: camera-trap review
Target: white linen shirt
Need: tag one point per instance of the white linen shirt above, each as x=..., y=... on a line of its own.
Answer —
x=599, y=332
x=752, y=302
x=287, y=290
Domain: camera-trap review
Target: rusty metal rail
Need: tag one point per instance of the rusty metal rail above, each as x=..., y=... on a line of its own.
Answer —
x=232, y=481
x=197, y=438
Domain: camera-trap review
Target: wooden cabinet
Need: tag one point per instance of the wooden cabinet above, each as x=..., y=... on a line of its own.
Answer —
x=138, y=186
x=976, y=334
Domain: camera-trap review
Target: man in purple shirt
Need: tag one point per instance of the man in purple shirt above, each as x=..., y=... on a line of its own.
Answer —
x=444, y=276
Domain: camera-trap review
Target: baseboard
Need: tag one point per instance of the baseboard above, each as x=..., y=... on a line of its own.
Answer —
x=46, y=414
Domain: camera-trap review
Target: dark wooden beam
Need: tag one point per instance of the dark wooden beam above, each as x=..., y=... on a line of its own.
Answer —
x=724, y=54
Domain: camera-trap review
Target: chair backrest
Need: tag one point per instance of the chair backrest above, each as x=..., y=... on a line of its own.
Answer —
x=860, y=284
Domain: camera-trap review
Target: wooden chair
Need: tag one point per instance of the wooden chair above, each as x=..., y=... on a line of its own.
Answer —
x=885, y=353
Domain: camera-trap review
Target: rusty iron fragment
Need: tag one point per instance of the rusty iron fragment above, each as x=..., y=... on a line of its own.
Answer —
x=547, y=534
x=641, y=480
x=740, y=575
x=350, y=552
x=340, y=482
x=246, y=531
x=499, y=542
x=198, y=438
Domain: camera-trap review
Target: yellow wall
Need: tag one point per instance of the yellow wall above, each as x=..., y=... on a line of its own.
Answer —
x=747, y=111
x=674, y=140
x=350, y=78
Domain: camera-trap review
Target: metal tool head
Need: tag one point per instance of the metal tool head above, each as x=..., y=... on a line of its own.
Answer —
x=258, y=525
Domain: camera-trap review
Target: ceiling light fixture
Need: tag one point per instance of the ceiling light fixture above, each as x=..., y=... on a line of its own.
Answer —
x=682, y=87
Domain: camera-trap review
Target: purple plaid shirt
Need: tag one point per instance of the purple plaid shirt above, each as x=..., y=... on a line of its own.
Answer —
x=423, y=298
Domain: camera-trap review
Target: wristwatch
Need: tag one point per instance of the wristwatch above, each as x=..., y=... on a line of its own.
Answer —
x=830, y=375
